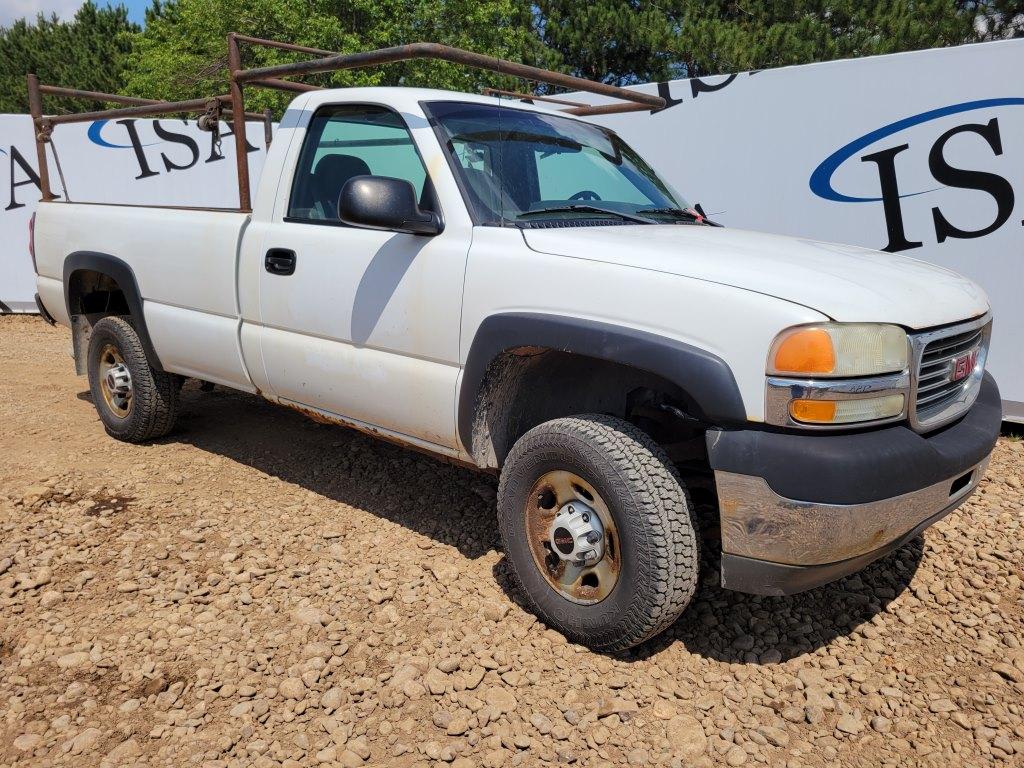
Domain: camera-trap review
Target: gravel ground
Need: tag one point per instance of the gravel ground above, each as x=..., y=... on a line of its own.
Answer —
x=259, y=589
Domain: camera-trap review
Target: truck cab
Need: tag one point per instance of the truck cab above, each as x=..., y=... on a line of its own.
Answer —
x=515, y=289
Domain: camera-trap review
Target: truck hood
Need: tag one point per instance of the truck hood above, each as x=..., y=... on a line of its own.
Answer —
x=844, y=282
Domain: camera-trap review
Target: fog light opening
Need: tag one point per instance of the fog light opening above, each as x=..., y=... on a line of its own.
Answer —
x=960, y=483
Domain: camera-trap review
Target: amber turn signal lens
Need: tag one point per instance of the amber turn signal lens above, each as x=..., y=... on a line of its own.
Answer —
x=847, y=411
x=813, y=411
x=806, y=351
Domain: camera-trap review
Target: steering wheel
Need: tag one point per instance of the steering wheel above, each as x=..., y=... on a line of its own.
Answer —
x=586, y=194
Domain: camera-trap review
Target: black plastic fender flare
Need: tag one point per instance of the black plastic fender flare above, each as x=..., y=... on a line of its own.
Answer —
x=123, y=275
x=704, y=377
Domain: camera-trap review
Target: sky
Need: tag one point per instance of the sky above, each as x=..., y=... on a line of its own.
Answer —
x=11, y=10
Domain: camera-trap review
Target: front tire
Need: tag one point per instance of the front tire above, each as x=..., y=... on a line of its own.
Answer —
x=598, y=531
x=134, y=401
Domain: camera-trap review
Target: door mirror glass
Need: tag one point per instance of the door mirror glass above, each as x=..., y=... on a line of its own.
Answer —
x=383, y=202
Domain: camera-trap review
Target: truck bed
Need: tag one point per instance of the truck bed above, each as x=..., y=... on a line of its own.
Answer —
x=184, y=262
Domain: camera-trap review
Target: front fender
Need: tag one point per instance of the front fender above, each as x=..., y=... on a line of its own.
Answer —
x=705, y=378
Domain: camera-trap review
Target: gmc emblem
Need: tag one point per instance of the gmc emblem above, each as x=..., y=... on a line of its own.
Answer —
x=963, y=365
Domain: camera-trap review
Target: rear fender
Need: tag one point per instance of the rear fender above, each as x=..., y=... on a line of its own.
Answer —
x=122, y=274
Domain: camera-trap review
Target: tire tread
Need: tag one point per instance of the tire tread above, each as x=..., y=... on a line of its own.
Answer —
x=155, y=393
x=671, y=536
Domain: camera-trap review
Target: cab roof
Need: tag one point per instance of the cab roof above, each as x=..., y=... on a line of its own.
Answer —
x=408, y=99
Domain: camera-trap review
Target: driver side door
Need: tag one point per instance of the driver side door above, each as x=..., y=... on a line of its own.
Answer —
x=356, y=323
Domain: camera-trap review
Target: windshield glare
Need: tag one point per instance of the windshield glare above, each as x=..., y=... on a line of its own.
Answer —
x=515, y=164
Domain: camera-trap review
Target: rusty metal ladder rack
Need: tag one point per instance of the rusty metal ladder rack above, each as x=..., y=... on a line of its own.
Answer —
x=326, y=61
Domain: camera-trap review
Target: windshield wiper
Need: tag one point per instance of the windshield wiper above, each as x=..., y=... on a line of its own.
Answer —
x=585, y=208
x=687, y=213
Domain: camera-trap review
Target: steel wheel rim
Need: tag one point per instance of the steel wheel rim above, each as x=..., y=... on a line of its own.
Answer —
x=115, y=382
x=583, y=584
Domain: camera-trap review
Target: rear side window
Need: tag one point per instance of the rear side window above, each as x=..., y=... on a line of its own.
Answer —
x=347, y=141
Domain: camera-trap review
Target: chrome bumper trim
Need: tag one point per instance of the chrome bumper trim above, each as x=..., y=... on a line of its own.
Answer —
x=758, y=523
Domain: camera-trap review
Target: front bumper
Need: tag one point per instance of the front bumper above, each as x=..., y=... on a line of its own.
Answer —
x=801, y=510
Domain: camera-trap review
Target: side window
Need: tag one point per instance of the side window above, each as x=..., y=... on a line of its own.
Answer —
x=352, y=140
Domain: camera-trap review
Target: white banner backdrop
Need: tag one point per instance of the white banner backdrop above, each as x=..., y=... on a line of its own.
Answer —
x=921, y=154
x=138, y=162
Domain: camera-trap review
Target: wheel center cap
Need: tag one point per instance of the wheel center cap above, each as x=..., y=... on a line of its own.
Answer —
x=577, y=534
x=119, y=380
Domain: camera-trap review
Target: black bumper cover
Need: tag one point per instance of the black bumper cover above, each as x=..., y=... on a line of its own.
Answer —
x=854, y=468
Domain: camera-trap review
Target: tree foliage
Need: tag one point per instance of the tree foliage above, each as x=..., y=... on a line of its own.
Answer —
x=615, y=41
x=623, y=41
x=1000, y=19
x=89, y=52
x=724, y=36
x=183, y=50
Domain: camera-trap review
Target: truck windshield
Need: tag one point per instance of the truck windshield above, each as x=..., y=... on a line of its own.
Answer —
x=531, y=169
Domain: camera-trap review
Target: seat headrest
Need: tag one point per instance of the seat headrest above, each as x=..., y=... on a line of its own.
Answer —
x=332, y=172
x=340, y=166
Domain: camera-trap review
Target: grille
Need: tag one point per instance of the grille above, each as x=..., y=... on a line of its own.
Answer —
x=937, y=397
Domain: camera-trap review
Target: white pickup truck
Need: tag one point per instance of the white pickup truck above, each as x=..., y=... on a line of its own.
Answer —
x=516, y=289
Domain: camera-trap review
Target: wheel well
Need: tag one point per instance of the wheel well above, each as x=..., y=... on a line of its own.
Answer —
x=97, y=285
x=94, y=293
x=526, y=386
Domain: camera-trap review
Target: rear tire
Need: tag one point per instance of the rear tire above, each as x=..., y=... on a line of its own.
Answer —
x=612, y=468
x=134, y=401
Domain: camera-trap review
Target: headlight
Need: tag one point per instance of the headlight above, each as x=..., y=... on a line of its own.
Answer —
x=839, y=349
x=834, y=375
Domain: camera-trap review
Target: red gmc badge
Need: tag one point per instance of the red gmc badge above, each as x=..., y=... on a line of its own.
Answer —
x=963, y=365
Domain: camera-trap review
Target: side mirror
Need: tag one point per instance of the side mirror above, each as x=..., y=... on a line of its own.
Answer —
x=382, y=202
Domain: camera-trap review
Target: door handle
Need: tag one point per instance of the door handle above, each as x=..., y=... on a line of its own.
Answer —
x=280, y=261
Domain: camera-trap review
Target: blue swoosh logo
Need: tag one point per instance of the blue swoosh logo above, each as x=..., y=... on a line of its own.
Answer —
x=96, y=137
x=821, y=180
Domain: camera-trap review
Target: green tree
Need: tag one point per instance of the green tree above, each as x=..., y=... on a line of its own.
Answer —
x=624, y=41
x=1000, y=19
x=183, y=53
x=89, y=52
x=723, y=36
x=614, y=41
